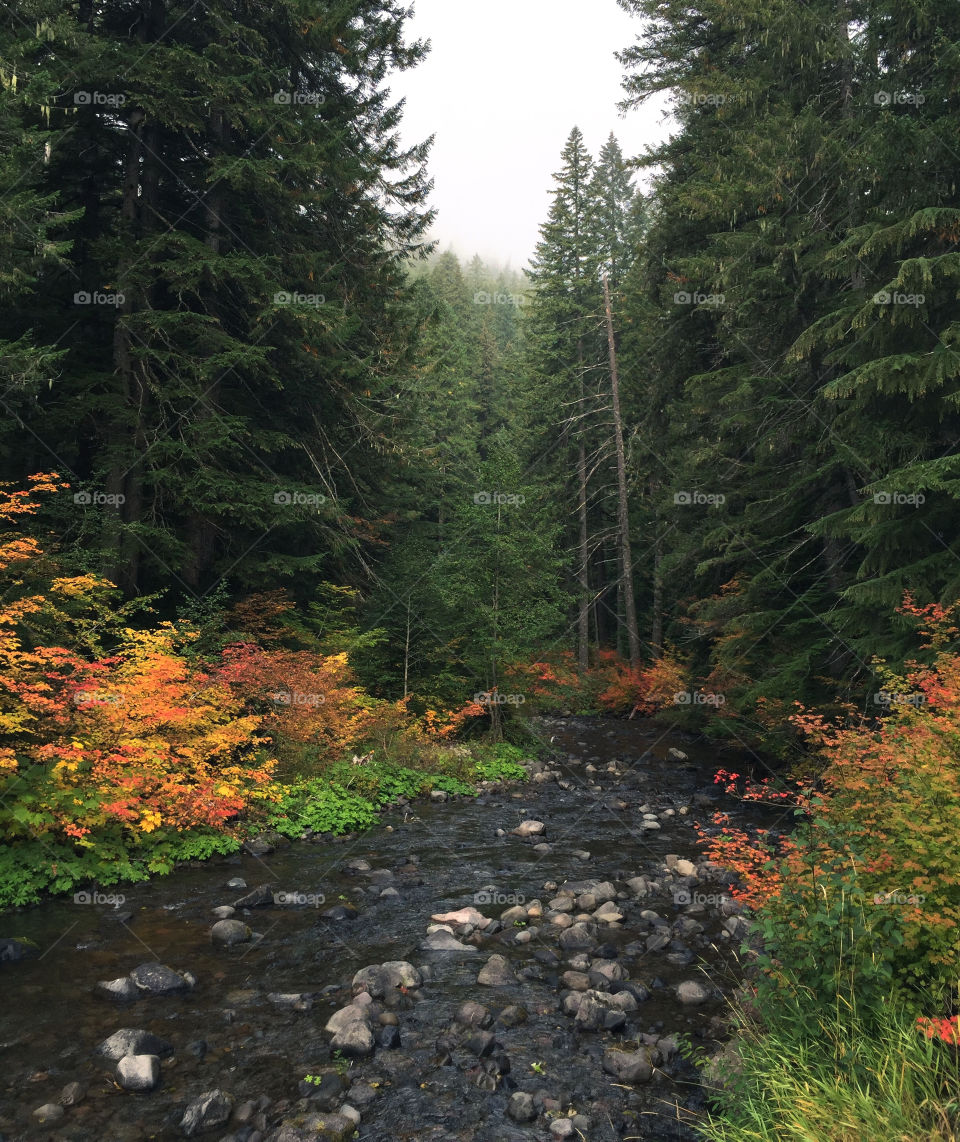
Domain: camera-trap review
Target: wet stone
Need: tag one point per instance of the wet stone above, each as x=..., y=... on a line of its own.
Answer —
x=227, y=933
x=132, y=1041
x=210, y=1109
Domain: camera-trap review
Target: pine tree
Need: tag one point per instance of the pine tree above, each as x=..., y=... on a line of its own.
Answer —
x=246, y=203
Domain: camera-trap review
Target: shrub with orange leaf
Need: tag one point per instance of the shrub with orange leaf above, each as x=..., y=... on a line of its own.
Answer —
x=140, y=738
x=608, y=685
x=884, y=817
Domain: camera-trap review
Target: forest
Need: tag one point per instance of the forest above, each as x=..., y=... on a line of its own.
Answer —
x=287, y=491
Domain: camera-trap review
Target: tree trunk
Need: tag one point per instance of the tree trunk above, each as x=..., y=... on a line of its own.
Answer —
x=623, y=515
x=583, y=553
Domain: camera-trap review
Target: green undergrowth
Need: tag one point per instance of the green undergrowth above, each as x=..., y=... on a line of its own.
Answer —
x=344, y=798
x=348, y=797
x=859, y=1076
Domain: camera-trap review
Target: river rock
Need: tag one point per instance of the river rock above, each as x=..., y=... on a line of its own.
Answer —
x=357, y=864
x=224, y=911
x=212, y=1108
x=158, y=979
x=339, y=912
x=444, y=941
x=258, y=846
x=462, y=917
x=226, y=933
x=236, y=882
x=576, y=936
x=138, y=1072
x=599, y=1010
x=512, y=1016
x=576, y=981
x=380, y=979
x=481, y=1043
x=628, y=1066
x=122, y=990
x=529, y=829
x=692, y=992
x=353, y=1013
x=71, y=1094
x=608, y=914
x=520, y=1107
x=473, y=1014
x=49, y=1112
x=337, y=1127
x=133, y=1041
x=257, y=897
x=677, y=754
x=13, y=950
x=496, y=972
x=685, y=868
x=354, y=1040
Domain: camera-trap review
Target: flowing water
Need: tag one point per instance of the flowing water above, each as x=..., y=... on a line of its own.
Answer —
x=228, y=1033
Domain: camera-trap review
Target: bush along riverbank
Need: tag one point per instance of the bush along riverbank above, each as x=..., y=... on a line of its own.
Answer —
x=347, y=798
x=849, y=1030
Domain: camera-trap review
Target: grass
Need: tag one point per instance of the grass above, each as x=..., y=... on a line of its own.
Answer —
x=817, y=1080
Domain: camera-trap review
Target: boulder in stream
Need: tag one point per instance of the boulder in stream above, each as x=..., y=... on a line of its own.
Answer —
x=379, y=980
x=496, y=972
x=226, y=933
x=258, y=897
x=133, y=1041
x=158, y=979
x=212, y=1108
x=529, y=829
x=122, y=990
x=444, y=941
x=139, y=1072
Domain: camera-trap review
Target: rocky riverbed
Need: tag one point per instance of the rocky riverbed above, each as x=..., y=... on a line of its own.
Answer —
x=516, y=966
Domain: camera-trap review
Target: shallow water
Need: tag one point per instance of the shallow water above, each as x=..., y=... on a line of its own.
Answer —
x=51, y=1021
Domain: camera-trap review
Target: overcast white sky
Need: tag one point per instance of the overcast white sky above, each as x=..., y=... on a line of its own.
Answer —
x=501, y=89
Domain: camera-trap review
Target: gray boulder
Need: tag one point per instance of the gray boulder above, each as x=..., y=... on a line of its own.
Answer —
x=133, y=1041
x=158, y=979
x=138, y=1072
x=226, y=933
x=212, y=1108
